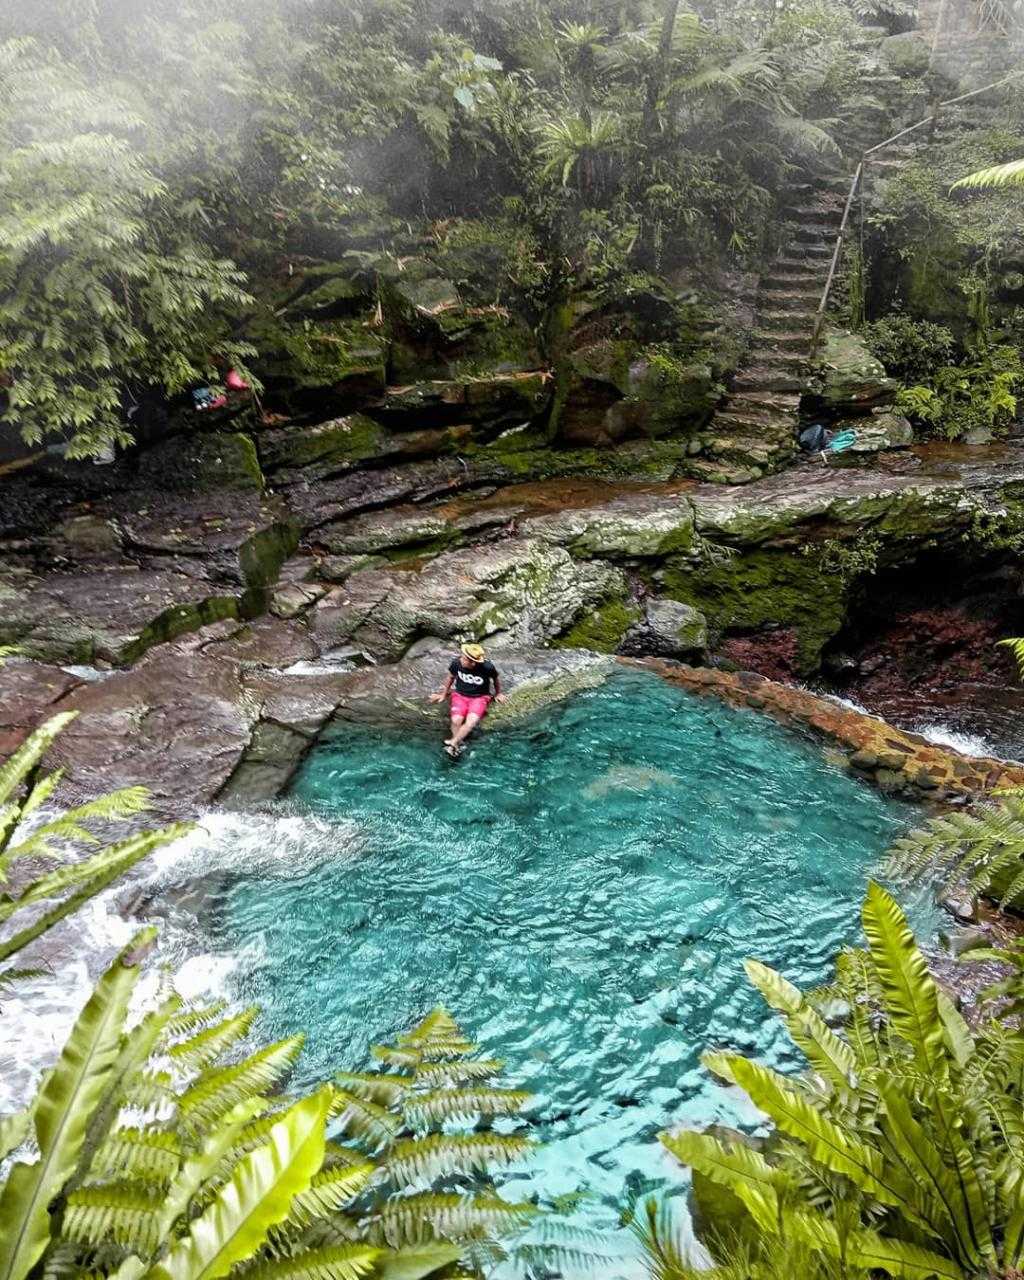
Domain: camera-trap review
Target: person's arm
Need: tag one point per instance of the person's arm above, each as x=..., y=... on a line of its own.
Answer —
x=445, y=689
x=498, y=695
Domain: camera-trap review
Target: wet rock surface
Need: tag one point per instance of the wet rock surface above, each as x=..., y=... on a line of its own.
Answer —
x=900, y=763
x=246, y=621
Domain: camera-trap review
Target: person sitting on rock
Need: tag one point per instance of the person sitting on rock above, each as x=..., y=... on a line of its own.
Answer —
x=470, y=681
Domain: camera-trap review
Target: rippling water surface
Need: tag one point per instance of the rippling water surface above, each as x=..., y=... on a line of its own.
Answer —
x=580, y=893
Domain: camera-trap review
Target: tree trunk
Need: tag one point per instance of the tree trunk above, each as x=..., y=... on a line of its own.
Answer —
x=656, y=80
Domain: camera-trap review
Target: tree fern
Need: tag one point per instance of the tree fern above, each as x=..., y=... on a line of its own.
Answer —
x=1000, y=175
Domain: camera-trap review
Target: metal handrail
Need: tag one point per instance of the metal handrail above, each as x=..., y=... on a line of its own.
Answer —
x=858, y=177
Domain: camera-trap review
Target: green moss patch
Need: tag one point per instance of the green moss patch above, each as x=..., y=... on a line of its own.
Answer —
x=601, y=631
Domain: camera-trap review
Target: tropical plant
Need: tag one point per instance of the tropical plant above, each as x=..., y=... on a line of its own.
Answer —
x=1000, y=175
x=981, y=849
x=48, y=843
x=584, y=144
x=901, y=1152
x=105, y=290
x=981, y=393
x=163, y=1153
x=911, y=350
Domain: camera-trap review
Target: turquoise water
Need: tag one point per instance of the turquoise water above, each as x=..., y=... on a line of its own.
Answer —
x=580, y=893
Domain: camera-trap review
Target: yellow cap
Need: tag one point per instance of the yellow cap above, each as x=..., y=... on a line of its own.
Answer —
x=474, y=651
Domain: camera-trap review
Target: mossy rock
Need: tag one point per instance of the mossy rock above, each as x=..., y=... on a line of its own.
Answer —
x=347, y=356
x=524, y=456
x=194, y=464
x=670, y=396
x=605, y=361
x=764, y=588
x=341, y=441
x=601, y=631
x=849, y=376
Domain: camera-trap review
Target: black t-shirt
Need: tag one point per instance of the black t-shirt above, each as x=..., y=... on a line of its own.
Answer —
x=473, y=683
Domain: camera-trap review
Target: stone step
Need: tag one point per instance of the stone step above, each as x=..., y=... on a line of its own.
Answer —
x=753, y=450
x=797, y=271
x=820, y=217
x=741, y=424
x=761, y=379
x=784, y=339
x=771, y=324
x=810, y=235
x=782, y=361
x=777, y=401
x=786, y=308
x=793, y=280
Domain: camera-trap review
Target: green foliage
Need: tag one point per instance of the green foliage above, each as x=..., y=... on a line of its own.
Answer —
x=1000, y=175
x=982, y=847
x=979, y=393
x=53, y=844
x=846, y=561
x=900, y=1153
x=228, y=1176
x=106, y=287
x=911, y=350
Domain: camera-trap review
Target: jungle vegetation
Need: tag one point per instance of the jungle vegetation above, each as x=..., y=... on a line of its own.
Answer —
x=171, y=171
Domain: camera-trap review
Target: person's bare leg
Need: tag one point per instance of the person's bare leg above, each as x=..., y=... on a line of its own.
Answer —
x=468, y=725
x=456, y=725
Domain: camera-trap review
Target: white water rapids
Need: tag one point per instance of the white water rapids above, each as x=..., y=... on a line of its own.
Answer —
x=37, y=1015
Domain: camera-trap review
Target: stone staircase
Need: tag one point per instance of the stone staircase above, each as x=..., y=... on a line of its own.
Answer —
x=756, y=428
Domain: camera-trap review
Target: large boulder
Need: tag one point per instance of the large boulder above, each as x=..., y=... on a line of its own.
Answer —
x=881, y=430
x=177, y=565
x=615, y=389
x=512, y=593
x=306, y=362
x=668, y=629
x=848, y=377
x=491, y=398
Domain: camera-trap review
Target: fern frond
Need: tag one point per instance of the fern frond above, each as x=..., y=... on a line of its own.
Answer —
x=118, y=1211
x=329, y=1192
x=217, y=1091
x=149, y=1090
x=458, y=1071
x=337, y=1262
x=152, y=1155
x=363, y=1119
x=1000, y=175
x=207, y=1045
x=385, y=1090
x=191, y=1018
x=440, y=1155
x=17, y=768
x=417, y=1219
x=441, y=1105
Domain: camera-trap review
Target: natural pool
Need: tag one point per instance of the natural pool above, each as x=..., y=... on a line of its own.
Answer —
x=580, y=892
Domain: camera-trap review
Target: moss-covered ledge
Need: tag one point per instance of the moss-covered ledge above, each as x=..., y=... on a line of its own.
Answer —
x=898, y=762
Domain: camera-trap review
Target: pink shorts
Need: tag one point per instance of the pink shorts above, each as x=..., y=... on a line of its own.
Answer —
x=463, y=706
